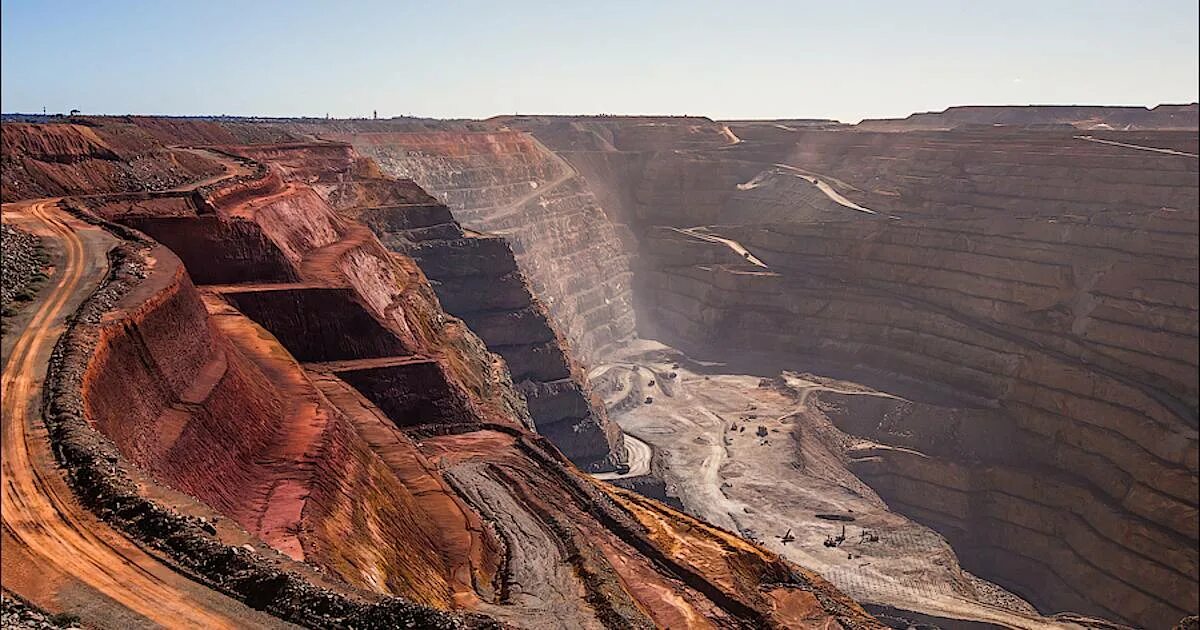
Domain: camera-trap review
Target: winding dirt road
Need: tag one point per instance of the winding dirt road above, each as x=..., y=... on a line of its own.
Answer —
x=638, y=454
x=824, y=187
x=1137, y=146
x=730, y=243
x=56, y=553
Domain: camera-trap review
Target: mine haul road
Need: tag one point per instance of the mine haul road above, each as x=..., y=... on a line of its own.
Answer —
x=1136, y=146
x=54, y=552
x=639, y=456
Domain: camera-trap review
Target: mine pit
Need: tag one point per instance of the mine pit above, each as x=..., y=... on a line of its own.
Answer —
x=730, y=479
x=644, y=372
x=909, y=319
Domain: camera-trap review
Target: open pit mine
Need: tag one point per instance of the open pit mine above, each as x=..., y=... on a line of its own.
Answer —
x=602, y=372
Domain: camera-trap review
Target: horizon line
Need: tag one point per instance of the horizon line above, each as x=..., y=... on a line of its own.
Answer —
x=594, y=115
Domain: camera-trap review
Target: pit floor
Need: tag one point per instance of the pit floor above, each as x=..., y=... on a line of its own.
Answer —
x=705, y=432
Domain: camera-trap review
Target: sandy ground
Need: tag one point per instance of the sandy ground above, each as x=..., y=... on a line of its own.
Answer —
x=758, y=461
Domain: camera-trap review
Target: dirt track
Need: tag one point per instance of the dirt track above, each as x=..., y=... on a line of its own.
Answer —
x=233, y=168
x=540, y=581
x=639, y=457
x=56, y=553
x=1136, y=146
x=737, y=248
x=824, y=187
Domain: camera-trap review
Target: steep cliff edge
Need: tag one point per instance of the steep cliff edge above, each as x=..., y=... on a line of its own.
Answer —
x=506, y=183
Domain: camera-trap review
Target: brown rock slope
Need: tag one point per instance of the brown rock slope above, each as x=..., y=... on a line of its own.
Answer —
x=277, y=363
x=68, y=159
x=476, y=278
x=508, y=184
x=1045, y=276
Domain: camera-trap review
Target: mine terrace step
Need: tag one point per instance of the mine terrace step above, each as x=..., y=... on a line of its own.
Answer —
x=225, y=289
x=411, y=391
x=317, y=322
x=352, y=365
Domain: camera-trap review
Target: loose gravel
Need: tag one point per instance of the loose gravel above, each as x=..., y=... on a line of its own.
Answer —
x=23, y=264
x=15, y=614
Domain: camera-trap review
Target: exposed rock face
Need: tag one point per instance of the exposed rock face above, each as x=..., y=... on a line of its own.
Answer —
x=477, y=279
x=508, y=184
x=312, y=390
x=1001, y=173
x=1067, y=301
x=167, y=385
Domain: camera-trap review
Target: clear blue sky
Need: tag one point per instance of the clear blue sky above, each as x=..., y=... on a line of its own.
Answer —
x=840, y=59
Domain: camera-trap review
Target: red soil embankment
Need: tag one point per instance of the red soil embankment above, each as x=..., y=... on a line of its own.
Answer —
x=328, y=492
x=241, y=427
x=166, y=388
x=54, y=143
x=68, y=159
x=240, y=192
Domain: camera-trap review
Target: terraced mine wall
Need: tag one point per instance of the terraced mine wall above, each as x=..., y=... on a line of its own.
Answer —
x=990, y=173
x=458, y=507
x=311, y=474
x=111, y=347
x=476, y=278
x=204, y=417
x=506, y=183
x=539, y=484
x=1089, y=502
